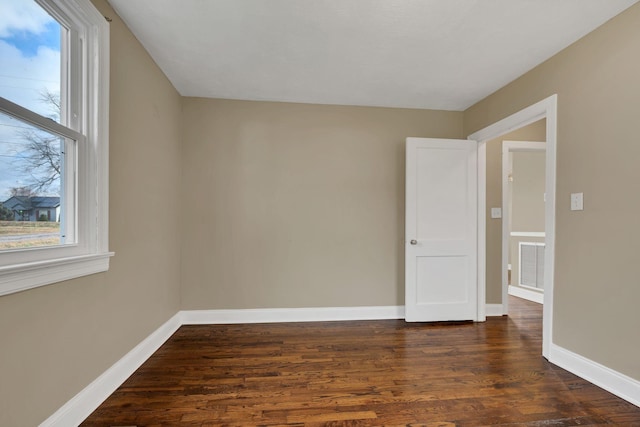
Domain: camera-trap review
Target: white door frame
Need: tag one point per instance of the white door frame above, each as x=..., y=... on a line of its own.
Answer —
x=547, y=108
x=510, y=147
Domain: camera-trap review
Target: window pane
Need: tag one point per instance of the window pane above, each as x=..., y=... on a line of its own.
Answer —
x=31, y=185
x=30, y=53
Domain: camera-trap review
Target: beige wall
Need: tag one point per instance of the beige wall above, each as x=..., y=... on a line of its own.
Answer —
x=56, y=339
x=533, y=132
x=295, y=205
x=527, y=194
x=596, y=285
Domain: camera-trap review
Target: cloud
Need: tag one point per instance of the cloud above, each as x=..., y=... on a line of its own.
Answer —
x=22, y=79
x=10, y=144
x=23, y=75
x=22, y=15
x=7, y=179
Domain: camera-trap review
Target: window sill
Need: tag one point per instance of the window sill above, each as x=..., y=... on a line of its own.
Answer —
x=17, y=278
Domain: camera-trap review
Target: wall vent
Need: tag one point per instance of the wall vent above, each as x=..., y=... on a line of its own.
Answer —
x=531, y=258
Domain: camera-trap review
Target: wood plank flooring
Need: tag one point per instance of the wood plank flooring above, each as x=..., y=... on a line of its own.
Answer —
x=365, y=373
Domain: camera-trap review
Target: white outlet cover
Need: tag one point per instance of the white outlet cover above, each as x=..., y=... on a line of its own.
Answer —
x=496, y=212
x=577, y=201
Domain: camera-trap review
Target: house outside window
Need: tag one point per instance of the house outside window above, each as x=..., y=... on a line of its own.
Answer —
x=53, y=142
x=32, y=208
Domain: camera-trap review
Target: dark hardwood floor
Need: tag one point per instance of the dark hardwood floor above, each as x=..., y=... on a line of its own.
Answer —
x=365, y=373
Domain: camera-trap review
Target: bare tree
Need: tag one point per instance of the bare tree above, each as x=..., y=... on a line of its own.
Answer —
x=41, y=159
x=52, y=100
x=21, y=192
x=41, y=152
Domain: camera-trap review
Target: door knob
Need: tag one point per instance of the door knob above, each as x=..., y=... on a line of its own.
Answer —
x=414, y=242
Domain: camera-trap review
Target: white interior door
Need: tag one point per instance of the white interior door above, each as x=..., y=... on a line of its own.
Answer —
x=441, y=230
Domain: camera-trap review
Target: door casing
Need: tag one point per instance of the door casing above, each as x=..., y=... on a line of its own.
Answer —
x=545, y=109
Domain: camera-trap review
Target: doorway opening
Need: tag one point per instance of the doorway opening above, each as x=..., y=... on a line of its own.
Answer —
x=523, y=230
x=547, y=110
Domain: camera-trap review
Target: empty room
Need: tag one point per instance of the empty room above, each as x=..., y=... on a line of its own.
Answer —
x=244, y=212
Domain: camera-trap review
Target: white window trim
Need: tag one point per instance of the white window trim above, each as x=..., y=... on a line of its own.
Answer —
x=22, y=270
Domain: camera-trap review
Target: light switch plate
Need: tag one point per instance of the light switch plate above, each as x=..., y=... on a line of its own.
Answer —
x=496, y=212
x=577, y=201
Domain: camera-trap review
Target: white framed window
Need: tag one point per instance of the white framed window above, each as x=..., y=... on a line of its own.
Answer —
x=54, y=91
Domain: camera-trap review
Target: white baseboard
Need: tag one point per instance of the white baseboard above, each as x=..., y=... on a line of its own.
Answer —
x=279, y=315
x=528, y=294
x=312, y=314
x=614, y=382
x=494, y=310
x=86, y=401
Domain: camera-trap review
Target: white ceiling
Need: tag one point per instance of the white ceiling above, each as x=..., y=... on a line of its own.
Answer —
x=440, y=54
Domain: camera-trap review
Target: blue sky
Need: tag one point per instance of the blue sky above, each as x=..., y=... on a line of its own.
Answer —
x=30, y=63
x=28, y=42
x=29, y=53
